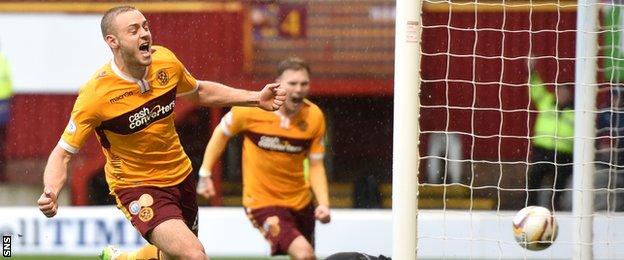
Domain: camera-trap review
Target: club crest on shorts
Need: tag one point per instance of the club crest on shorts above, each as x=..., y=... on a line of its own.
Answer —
x=271, y=225
x=146, y=214
x=146, y=200
x=134, y=207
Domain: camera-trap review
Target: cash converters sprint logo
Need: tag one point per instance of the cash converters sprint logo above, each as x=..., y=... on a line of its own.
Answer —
x=275, y=144
x=146, y=115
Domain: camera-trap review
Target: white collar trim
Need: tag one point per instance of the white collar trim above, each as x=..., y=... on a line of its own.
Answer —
x=123, y=75
x=143, y=84
x=284, y=119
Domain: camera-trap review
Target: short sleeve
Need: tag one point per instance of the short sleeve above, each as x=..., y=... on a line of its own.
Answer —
x=317, y=148
x=81, y=124
x=187, y=84
x=233, y=122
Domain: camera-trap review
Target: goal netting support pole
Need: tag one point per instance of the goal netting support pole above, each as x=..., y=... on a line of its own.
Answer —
x=405, y=128
x=586, y=67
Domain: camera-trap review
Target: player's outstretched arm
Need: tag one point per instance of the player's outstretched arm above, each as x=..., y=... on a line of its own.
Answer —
x=54, y=178
x=318, y=181
x=214, y=149
x=271, y=97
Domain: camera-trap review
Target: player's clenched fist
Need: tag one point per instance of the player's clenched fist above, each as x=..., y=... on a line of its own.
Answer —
x=322, y=214
x=47, y=203
x=205, y=187
x=272, y=97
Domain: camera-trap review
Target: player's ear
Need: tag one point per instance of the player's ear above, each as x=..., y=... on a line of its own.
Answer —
x=111, y=40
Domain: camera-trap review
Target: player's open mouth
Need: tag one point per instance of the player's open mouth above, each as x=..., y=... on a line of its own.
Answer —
x=145, y=48
x=296, y=99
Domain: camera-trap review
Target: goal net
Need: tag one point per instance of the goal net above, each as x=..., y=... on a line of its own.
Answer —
x=519, y=107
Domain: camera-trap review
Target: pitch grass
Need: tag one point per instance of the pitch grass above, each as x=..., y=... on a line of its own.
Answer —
x=64, y=257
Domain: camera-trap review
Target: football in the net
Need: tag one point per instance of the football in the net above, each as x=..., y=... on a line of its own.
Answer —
x=534, y=228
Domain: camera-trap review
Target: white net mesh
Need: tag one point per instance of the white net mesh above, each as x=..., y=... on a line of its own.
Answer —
x=497, y=122
x=610, y=123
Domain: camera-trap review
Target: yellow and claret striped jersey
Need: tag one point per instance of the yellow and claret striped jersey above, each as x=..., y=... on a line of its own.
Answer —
x=134, y=122
x=274, y=148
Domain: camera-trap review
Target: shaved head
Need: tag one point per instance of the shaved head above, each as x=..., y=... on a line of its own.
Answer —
x=292, y=63
x=108, y=18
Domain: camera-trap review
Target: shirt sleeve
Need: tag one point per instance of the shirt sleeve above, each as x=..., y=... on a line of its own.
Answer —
x=233, y=122
x=187, y=84
x=317, y=148
x=81, y=124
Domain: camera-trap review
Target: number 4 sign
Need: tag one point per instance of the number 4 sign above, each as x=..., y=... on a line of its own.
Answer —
x=292, y=21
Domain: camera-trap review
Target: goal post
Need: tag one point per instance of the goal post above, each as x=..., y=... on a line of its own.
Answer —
x=586, y=68
x=405, y=128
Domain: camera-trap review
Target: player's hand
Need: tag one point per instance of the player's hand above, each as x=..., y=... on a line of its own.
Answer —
x=272, y=97
x=205, y=187
x=47, y=202
x=321, y=213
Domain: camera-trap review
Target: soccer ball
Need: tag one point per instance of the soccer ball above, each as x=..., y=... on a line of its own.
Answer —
x=534, y=228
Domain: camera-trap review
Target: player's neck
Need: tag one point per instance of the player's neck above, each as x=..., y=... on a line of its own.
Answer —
x=137, y=72
x=288, y=112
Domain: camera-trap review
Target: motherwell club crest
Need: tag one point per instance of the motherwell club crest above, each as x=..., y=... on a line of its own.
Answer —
x=302, y=125
x=163, y=77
